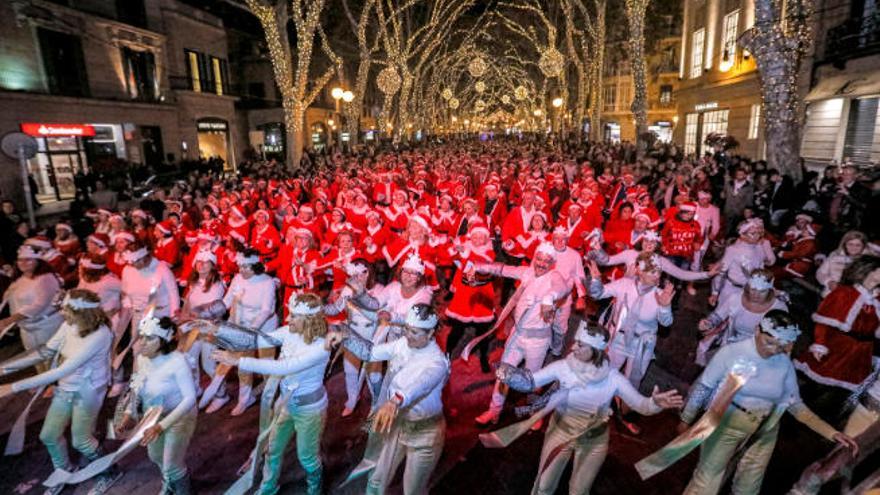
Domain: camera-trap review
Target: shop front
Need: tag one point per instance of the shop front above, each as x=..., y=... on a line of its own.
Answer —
x=214, y=139
x=65, y=150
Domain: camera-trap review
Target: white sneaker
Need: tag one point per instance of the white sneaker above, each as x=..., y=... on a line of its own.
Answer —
x=243, y=405
x=347, y=412
x=216, y=404
x=488, y=417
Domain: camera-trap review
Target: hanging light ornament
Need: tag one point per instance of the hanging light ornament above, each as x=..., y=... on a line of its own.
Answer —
x=520, y=93
x=480, y=105
x=505, y=99
x=453, y=103
x=551, y=62
x=478, y=67
x=480, y=86
x=446, y=94
x=388, y=81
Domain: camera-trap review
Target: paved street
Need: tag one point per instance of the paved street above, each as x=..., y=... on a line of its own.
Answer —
x=221, y=443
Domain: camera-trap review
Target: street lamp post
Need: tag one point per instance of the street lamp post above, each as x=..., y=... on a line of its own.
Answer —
x=557, y=104
x=347, y=97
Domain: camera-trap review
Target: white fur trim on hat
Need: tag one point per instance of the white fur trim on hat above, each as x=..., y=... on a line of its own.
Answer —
x=420, y=220
x=750, y=224
x=87, y=263
x=128, y=236
x=36, y=242
x=64, y=226
x=242, y=260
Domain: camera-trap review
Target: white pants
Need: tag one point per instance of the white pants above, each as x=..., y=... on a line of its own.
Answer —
x=560, y=325
x=532, y=350
x=589, y=451
x=421, y=444
x=352, y=367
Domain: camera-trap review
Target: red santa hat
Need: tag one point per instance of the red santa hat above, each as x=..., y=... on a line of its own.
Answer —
x=164, y=227
x=124, y=235
x=704, y=195
x=302, y=232
x=238, y=211
x=421, y=221
x=307, y=208
x=261, y=213
x=63, y=226
x=38, y=242
x=372, y=213
x=100, y=239
x=688, y=206
x=478, y=228
x=644, y=216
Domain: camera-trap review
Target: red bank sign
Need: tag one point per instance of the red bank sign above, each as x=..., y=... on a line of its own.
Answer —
x=57, y=130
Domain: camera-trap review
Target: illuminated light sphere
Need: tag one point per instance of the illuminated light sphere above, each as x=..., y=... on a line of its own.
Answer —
x=480, y=105
x=520, y=93
x=388, y=81
x=446, y=94
x=477, y=67
x=480, y=86
x=557, y=102
x=348, y=96
x=551, y=62
x=453, y=103
x=505, y=99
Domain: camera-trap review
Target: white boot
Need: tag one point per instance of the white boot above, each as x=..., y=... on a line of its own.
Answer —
x=217, y=402
x=245, y=400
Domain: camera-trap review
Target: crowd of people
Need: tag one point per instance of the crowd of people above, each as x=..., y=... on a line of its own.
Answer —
x=571, y=258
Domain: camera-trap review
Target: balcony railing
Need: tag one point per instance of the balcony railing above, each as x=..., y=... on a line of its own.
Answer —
x=857, y=37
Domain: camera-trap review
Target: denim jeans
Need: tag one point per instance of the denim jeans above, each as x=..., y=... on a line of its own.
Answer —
x=80, y=411
x=308, y=425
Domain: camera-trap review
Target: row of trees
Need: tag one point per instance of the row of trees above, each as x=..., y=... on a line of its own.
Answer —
x=430, y=60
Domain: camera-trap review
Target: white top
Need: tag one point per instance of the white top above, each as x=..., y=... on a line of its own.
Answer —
x=416, y=376
x=831, y=269
x=570, y=264
x=109, y=290
x=83, y=362
x=537, y=291
x=709, y=220
x=392, y=300
x=302, y=365
x=167, y=381
x=775, y=383
x=33, y=297
x=739, y=259
x=644, y=313
x=197, y=296
x=136, y=285
x=251, y=302
x=590, y=390
x=742, y=322
x=361, y=320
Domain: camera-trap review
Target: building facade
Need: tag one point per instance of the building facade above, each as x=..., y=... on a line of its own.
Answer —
x=719, y=91
x=618, y=91
x=842, y=123
x=101, y=83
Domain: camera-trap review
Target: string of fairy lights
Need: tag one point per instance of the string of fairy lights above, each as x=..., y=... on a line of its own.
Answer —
x=435, y=67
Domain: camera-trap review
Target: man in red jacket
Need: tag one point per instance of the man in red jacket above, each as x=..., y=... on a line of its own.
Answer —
x=682, y=236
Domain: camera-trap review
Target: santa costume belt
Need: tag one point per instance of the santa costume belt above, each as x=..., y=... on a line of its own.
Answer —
x=755, y=416
x=308, y=398
x=297, y=287
x=397, y=231
x=412, y=426
x=871, y=403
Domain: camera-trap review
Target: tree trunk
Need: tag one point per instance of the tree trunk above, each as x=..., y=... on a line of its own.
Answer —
x=597, y=71
x=635, y=10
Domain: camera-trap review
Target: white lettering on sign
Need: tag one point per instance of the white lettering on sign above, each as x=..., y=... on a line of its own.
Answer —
x=56, y=130
x=709, y=105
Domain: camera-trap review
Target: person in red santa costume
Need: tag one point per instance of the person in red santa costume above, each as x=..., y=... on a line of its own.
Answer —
x=67, y=243
x=798, y=249
x=295, y=264
x=473, y=302
x=682, y=236
x=140, y=227
x=577, y=227
x=847, y=327
x=237, y=221
x=166, y=247
x=493, y=208
x=398, y=213
x=265, y=238
x=338, y=224
x=357, y=211
x=619, y=227
x=344, y=251
x=98, y=244
x=116, y=257
x=469, y=214
x=416, y=240
x=306, y=219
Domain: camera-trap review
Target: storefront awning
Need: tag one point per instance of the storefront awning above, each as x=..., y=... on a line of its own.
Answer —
x=849, y=85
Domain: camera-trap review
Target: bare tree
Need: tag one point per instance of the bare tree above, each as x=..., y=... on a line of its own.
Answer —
x=635, y=15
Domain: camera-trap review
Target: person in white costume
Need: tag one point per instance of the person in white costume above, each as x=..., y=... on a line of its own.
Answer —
x=648, y=243
x=203, y=299
x=81, y=347
x=398, y=296
x=581, y=409
x=541, y=288
x=749, y=252
x=361, y=311
x=569, y=264
x=31, y=299
x=163, y=378
x=410, y=419
x=302, y=405
x=250, y=300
